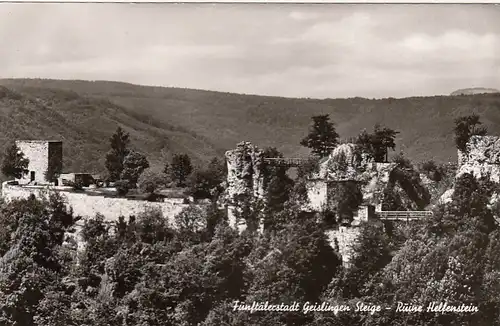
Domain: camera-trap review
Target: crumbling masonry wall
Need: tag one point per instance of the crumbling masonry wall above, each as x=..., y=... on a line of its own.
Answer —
x=88, y=205
x=481, y=158
x=344, y=239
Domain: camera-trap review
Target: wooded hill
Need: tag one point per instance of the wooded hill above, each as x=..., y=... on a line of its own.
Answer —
x=162, y=121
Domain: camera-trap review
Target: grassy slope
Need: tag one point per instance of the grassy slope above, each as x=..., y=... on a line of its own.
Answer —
x=224, y=119
x=85, y=125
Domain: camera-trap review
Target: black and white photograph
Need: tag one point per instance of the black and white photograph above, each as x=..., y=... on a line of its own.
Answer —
x=249, y=164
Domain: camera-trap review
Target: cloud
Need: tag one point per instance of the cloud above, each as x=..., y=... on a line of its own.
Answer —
x=462, y=43
x=286, y=50
x=303, y=16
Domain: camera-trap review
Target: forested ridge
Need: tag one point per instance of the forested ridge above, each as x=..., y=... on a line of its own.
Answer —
x=143, y=271
x=203, y=123
x=57, y=268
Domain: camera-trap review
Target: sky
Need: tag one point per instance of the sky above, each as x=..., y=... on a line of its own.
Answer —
x=291, y=50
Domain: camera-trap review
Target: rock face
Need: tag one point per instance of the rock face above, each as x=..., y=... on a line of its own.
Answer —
x=344, y=240
x=374, y=179
x=244, y=173
x=341, y=165
x=481, y=158
x=245, y=180
x=344, y=164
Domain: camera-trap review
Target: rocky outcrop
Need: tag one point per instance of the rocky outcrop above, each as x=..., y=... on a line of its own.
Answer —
x=376, y=178
x=244, y=173
x=481, y=158
x=343, y=164
x=344, y=240
x=346, y=164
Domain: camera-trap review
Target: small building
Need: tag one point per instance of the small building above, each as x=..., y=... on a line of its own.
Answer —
x=43, y=156
x=69, y=179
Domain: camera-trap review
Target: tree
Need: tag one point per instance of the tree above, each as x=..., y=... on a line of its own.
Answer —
x=204, y=185
x=382, y=139
x=278, y=187
x=277, y=184
x=191, y=219
x=150, y=181
x=432, y=170
x=167, y=170
x=347, y=197
x=294, y=264
x=218, y=168
x=307, y=168
x=181, y=168
x=391, y=200
x=115, y=157
x=14, y=163
x=207, y=183
x=465, y=128
x=133, y=165
x=322, y=137
x=32, y=265
x=364, y=142
x=376, y=144
x=372, y=254
x=269, y=169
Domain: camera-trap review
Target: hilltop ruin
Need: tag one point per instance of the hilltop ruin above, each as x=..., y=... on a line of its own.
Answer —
x=245, y=180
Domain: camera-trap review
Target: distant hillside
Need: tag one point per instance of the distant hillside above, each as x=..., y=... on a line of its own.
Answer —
x=84, y=124
x=475, y=90
x=203, y=122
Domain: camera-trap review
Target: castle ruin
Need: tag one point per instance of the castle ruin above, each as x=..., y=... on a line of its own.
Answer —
x=47, y=155
x=245, y=180
x=481, y=158
x=43, y=156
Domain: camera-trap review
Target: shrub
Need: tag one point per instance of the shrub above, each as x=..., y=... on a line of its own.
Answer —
x=180, y=169
x=149, y=181
x=77, y=185
x=122, y=187
x=133, y=166
x=14, y=163
x=432, y=170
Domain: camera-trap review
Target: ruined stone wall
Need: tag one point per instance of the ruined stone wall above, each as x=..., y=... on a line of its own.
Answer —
x=40, y=154
x=365, y=213
x=89, y=205
x=481, y=158
x=56, y=157
x=344, y=239
x=37, y=152
x=317, y=194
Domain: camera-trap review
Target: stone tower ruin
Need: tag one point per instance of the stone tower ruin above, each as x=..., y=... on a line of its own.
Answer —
x=42, y=155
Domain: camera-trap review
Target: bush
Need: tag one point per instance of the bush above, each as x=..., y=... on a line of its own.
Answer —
x=180, y=169
x=432, y=171
x=149, y=181
x=308, y=167
x=122, y=187
x=14, y=163
x=77, y=186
